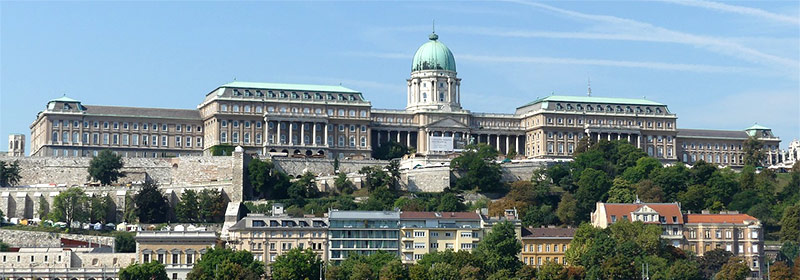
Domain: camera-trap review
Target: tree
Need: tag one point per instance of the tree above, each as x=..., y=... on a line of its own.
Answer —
x=394, y=270
x=124, y=242
x=512, y=153
x=188, y=208
x=4, y=247
x=105, y=167
x=212, y=206
x=303, y=188
x=102, y=209
x=44, y=208
x=685, y=270
x=151, y=205
x=499, y=248
x=389, y=150
x=375, y=177
x=9, y=173
x=780, y=271
x=146, y=271
x=790, y=224
x=567, y=210
x=70, y=206
x=734, y=269
x=266, y=180
x=344, y=185
x=593, y=187
x=297, y=264
x=477, y=169
x=336, y=165
x=551, y=271
x=621, y=192
x=361, y=271
x=753, y=151
x=649, y=191
x=712, y=261
x=129, y=213
x=218, y=263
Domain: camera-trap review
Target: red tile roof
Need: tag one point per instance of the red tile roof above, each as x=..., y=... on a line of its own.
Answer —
x=719, y=218
x=444, y=215
x=668, y=210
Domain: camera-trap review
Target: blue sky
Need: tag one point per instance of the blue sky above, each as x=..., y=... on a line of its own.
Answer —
x=718, y=65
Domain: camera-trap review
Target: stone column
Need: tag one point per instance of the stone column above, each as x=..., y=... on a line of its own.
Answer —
x=266, y=132
x=278, y=135
x=507, y=143
x=639, y=141
x=398, y=137
x=598, y=137
x=618, y=136
x=408, y=139
x=303, y=133
x=609, y=136
x=379, y=138
x=291, y=139
x=497, y=143
x=314, y=134
x=325, y=133
x=629, y=137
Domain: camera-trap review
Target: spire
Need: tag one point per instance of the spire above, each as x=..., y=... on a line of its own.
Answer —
x=433, y=36
x=589, y=87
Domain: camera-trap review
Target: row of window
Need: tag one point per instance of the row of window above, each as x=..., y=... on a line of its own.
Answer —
x=394, y=120
x=128, y=126
x=296, y=95
x=538, y=261
x=713, y=158
x=285, y=234
x=434, y=245
x=125, y=139
x=579, y=121
x=285, y=246
x=84, y=153
x=708, y=146
x=728, y=234
x=608, y=108
x=146, y=258
x=296, y=110
x=421, y=234
x=544, y=248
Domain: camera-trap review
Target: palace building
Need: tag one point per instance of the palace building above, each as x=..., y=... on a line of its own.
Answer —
x=334, y=121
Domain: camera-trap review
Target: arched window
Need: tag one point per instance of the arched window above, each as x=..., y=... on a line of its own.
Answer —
x=352, y=141
x=341, y=140
x=363, y=141
x=424, y=97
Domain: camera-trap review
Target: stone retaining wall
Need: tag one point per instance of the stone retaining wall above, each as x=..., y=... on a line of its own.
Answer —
x=38, y=239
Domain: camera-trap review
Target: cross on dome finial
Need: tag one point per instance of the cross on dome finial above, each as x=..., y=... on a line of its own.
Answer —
x=433, y=35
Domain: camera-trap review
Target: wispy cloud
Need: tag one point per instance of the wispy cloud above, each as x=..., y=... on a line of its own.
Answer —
x=627, y=29
x=702, y=68
x=748, y=11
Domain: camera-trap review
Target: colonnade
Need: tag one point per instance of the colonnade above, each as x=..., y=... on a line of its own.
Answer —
x=290, y=132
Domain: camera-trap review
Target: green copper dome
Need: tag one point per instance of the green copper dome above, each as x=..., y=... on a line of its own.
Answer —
x=433, y=55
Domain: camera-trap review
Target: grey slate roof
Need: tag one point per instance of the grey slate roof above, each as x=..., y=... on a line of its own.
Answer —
x=548, y=232
x=186, y=114
x=364, y=215
x=707, y=133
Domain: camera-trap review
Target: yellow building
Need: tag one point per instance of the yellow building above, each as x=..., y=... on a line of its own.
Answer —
x=177, y=250
x=540, y=245
x=425, y=232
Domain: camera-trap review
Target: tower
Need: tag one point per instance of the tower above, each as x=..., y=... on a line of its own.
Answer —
x=16, y=145
x=434, y=84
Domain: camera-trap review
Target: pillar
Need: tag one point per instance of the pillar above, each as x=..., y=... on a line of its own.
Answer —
x=618, y=136
x=278, y=136
x=266, y=132
x=408, y=139
x=639, y=141
x=629, y=137
x=507, y=143
x=314, y=134
x=398, y=137
x=325, y=133
x=303, y=134
x=497, y=143
x=379, y=138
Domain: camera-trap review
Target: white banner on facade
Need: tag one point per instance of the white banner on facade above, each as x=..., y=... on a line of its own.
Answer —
x=441, y=143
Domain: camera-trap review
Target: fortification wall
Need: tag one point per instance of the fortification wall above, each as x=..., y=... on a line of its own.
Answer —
x=430, y=179
x=298, y=166
x=38, y=239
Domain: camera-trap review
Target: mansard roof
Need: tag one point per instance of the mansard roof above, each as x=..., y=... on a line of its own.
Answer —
x=295, y=87
x=143, y=112
x=708, y=133
x=719, y=218
x=594, y=99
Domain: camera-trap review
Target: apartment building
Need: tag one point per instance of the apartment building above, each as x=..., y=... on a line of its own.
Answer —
x=740, y=234
x=269, y=236
x=426, y=232
x=362, y=233
x=541, y=245
x=177, y=250
x=666, y=215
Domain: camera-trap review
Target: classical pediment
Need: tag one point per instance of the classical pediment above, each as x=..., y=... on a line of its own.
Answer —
x=448, y=123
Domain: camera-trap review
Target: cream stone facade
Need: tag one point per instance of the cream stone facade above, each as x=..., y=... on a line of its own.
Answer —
x=298, y=120
x=426, y=232
x=16, y=145
x=61, y=264
x=542, y=245
x=269, y=236
x=740, y=234
x=177, y=250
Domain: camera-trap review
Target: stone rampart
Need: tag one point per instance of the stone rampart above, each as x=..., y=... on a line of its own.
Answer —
x=429, y=179
x=297, y=166
x=39, y=239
